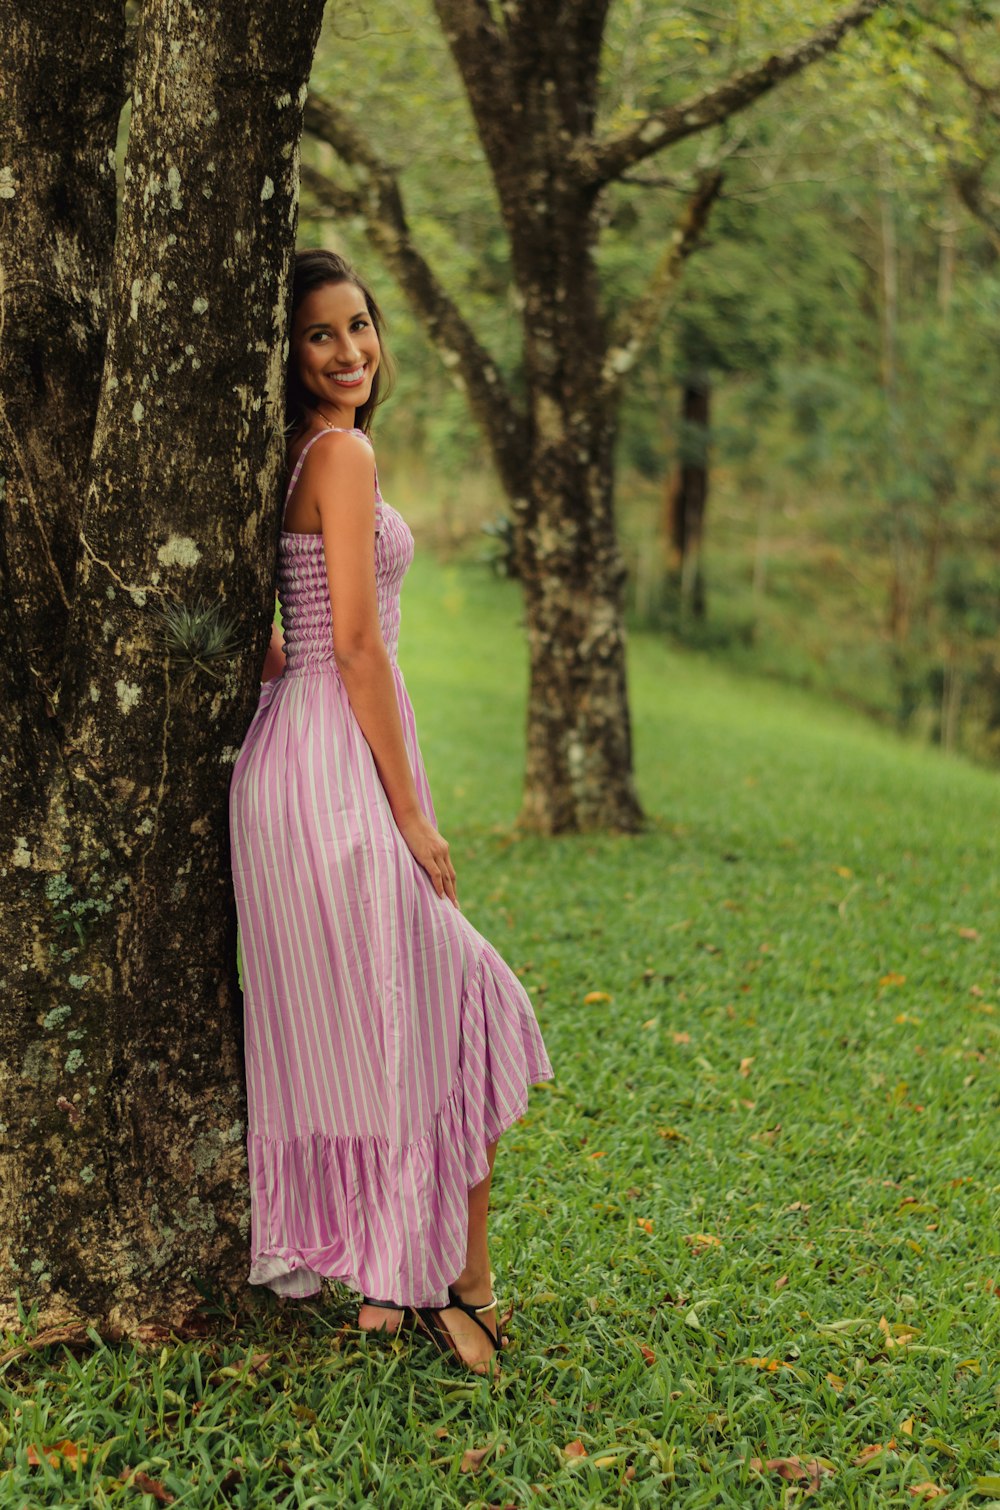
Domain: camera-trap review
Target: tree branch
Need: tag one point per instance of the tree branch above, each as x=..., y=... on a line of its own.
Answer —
x=482, y=54
x=988, y=95
x=375, y=196
x=968, y=183
x=601, y=162
x=648, y=310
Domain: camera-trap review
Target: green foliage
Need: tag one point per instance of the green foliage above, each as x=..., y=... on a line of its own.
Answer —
x=768, y=1159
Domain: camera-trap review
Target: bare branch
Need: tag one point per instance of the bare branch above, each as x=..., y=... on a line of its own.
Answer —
x=649, y=309
x=600, y=162
x=376, y=198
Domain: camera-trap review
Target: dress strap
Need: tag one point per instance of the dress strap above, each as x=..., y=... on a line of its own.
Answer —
x=298, y=465
x=333, y=430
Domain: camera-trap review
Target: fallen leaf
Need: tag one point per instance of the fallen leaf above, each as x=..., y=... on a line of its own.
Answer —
x=681, y=1037
x=779, y=1284
x=441, y=1432
x=926, y=1491
x=873, y=1450
x=745, y=1065
x=600, y=1154
x=574, y=1449
x=793, y=1470
x=473, y=1458
x=899, y=1335
x=835, y=1382
x=145, y=1485
x=54, y=1455
x=645, y=1223
x=844, y=872
x=968, y=933
x=892, y=979
x=670, y=1133
x=699, y=1241
x=592, y=998
x=648, y=1356
x=906, y=1427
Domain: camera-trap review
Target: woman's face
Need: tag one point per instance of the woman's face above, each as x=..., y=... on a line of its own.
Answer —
x=336, y=349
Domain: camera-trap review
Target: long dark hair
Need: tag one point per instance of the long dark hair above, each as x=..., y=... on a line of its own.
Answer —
x=310, y=271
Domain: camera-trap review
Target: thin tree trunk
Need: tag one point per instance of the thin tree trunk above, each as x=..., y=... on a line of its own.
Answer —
x=688, y=495
x=122, y=1167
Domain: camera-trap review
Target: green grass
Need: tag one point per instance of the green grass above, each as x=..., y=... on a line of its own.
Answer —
x=772, y=1138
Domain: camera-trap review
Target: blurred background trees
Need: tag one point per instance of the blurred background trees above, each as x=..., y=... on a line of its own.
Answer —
x=807, y=460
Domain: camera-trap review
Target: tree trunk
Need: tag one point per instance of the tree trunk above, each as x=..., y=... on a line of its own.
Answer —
x=688, y=496
x=122, y=1160
x=531, y=71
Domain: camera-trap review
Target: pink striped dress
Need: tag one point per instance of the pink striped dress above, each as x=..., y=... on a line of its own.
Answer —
x=387, y=1043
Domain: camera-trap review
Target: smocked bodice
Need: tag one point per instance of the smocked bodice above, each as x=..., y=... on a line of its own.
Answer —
x=304, y=591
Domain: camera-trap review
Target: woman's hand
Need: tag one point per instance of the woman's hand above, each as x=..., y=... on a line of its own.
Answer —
x=430, y=850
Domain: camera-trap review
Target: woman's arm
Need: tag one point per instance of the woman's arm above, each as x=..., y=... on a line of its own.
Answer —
x=343, y=484
x=274, y=660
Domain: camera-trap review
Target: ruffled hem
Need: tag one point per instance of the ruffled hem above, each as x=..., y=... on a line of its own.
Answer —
x=386, y=1219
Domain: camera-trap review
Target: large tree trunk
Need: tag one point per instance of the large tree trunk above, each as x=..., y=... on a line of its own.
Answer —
x=122, y=1161
x=578, y=770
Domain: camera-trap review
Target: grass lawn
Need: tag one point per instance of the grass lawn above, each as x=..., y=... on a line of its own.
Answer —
x=754, y=1219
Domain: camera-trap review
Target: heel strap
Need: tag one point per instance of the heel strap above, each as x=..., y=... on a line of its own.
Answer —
x=474, y=1313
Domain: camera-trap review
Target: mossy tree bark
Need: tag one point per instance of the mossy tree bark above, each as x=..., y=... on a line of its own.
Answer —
x=141, y=380
x=531, y=70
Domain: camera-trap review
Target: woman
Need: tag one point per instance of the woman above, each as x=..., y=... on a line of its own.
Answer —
x=387, y=1044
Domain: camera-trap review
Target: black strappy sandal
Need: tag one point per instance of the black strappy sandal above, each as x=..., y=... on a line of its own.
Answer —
x=429, y=1321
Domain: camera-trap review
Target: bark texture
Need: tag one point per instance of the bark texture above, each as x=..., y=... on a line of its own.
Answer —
x=141, y=453
x=530, y=69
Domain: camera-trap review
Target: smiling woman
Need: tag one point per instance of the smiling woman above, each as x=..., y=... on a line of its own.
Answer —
x=387, y=1044
x=340, y=364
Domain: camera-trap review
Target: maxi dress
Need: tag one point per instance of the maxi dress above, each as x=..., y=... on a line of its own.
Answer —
x=387, y=1043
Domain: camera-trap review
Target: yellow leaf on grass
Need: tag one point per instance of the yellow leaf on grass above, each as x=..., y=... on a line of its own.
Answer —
x=592, y=998
x=874, y=1450
x=745, y=1065
x=473, y=1458
x=844, y=872
x=906, y=1427
x=968, y=933
x=894, y=978
x=899, y=1335
x=645, y=1223
x=60, y=1451
x=835, y=1382
x=574, y=1449
x=926, y=1491
x=699, y=1242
